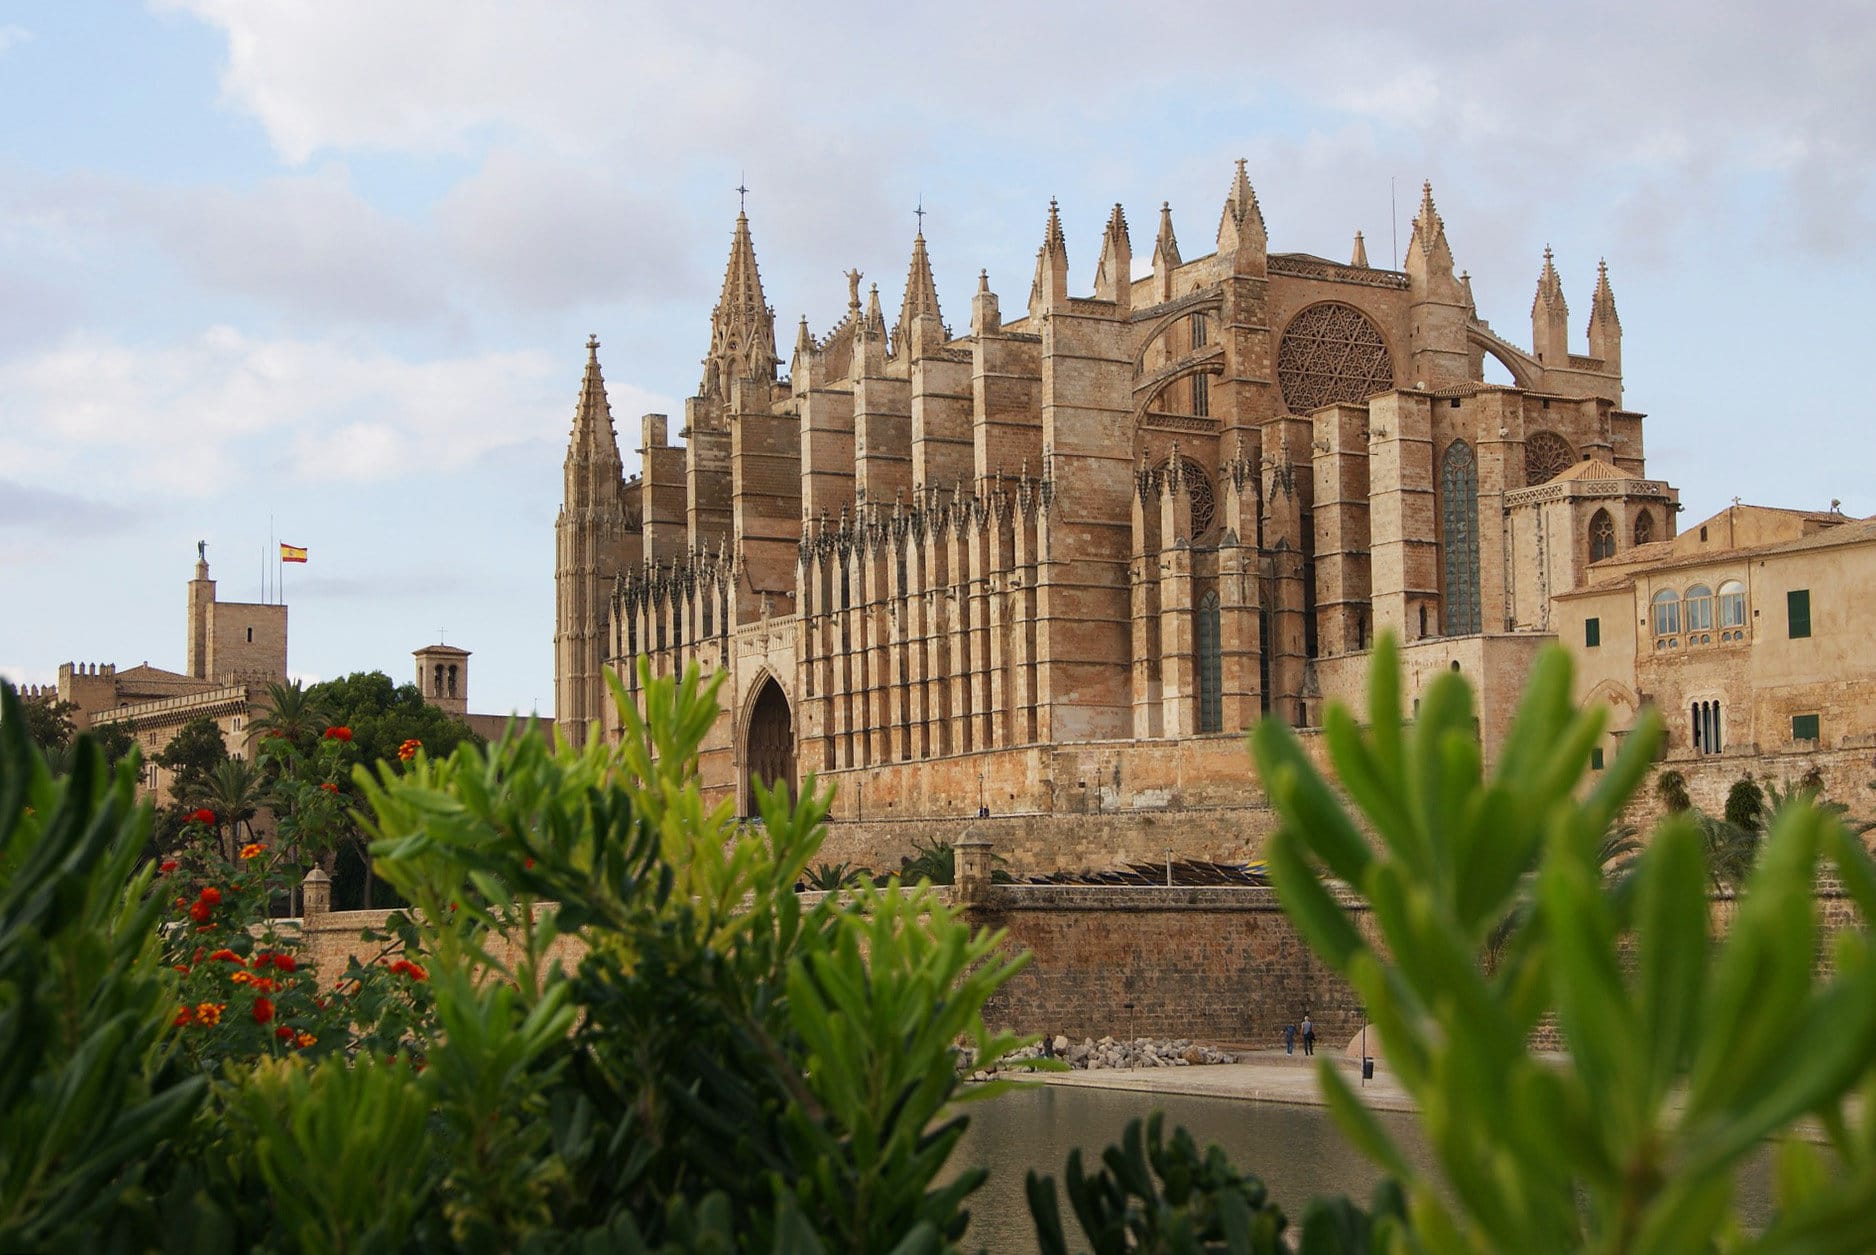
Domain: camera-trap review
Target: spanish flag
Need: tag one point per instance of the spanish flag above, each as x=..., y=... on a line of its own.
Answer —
x=292, y=553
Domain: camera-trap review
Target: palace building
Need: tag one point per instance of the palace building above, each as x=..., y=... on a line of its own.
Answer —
x=1050, y=565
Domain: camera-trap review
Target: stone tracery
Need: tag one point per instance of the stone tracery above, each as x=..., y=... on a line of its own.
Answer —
x=1332, y=352
x=1546, y=456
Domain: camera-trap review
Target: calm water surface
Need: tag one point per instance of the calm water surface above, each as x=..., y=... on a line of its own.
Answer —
x=1297, y=1151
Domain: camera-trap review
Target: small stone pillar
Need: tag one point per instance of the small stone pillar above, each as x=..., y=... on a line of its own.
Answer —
x=974, y=858
x=315, y=897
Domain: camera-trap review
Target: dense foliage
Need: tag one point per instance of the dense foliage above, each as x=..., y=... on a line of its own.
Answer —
x=1684, y=1053
x=610, y=1021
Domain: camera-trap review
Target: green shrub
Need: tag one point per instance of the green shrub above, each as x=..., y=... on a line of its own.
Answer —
x=1679, y=1064
x=88, y=1093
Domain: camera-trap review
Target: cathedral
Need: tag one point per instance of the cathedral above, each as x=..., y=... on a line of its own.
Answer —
x=1043, y=571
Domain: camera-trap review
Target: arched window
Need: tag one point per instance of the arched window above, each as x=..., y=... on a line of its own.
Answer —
x=1459, y=512
x=1211, y=667
x=452, y=679
x=1199, y=330
x=1601, y=536
x=1546, y=456
x=1733, y=606
x=1644, y=528
x=1201, y=395
x=1667, y=612
x=1697, y=609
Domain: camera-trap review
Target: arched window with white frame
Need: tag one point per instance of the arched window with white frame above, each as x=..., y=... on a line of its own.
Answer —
x=1697, y=609
x=1732, y=610
x=1667, y=612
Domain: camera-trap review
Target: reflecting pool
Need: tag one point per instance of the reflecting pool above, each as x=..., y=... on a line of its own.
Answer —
x=1297, y=1151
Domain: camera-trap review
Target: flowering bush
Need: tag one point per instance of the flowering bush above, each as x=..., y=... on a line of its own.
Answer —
x=245, y=987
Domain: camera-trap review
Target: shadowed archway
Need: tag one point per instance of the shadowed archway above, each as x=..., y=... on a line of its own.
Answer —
x=768, y=742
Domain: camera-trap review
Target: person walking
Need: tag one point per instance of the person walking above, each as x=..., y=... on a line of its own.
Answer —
x=1289, y=1039
x=1309, y=1035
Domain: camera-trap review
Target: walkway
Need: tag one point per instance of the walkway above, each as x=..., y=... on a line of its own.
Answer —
x=1268, y=1076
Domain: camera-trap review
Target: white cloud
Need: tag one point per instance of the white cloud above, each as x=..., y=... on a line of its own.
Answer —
x=12, y=37
x=190, y=418
x=1516, y=95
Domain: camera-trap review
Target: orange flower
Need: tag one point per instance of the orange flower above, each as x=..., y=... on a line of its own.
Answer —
x=404, y=967
x=304, y=1040
x=252, y=849
x=263, y=1010
x=183, y=1016
x=226, y=956
x=209, y=1013
x=408, y=750
x=241, y=978
x=338, y=732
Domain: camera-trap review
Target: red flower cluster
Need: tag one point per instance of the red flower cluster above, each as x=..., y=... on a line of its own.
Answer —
x=226, y=956
x=408, y=750
x=263, y=1010
x=167, y=866
x=404, y=967
x=338, y=732
x=330, y=787
x=273, y=958
x=204, y=906
x=203, y=816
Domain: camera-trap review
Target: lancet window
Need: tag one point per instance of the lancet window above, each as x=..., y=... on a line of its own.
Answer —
x=1459, y=515
x=1601, y=536
x=1211, y=666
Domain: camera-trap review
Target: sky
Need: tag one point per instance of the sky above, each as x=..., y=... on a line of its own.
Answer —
x=325, y=271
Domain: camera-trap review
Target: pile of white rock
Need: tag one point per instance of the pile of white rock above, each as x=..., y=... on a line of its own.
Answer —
x=1140, y=1052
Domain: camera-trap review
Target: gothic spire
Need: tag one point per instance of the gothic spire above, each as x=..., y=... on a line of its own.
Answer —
x=1166, y=247
x=1602, y=304
x=1605, y=328
x=1360, y=256
x=1051, y=261
x=921, y=293
x=1550, y=316
x=1242, y=222
x=1549, y=286
x=1429, y=261
x=592, y=463
x=742, y=326
x=592, y=415
x=1113, y=278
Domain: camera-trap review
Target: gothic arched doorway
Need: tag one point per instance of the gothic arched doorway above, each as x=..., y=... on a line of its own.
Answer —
x=769, y=743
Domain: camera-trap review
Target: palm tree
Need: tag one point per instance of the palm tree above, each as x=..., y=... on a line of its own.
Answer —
x=293, y=712
x=234, y=790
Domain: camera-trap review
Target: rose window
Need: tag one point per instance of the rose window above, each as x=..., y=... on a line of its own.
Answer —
x=1332, y=352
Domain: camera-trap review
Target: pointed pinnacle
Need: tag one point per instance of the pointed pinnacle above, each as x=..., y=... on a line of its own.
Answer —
x=1166, y=247
x=1052, y=234
x=1360, y=256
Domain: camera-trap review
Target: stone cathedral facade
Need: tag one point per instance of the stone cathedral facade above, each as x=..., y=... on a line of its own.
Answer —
x=1048, y=566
